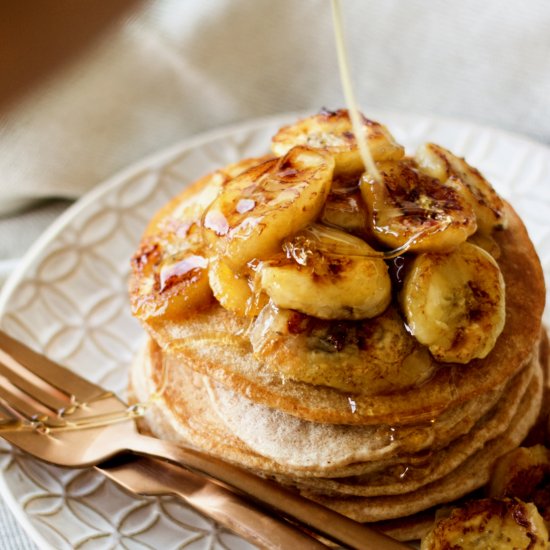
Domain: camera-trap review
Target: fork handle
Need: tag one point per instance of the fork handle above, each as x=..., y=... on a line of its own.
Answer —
x=287, y=503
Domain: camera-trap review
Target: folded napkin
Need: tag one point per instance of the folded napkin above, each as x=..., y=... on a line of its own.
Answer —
x=175, y=68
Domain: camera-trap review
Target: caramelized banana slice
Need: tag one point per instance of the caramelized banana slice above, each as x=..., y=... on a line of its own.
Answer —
x=258, y=209
x=455, y=303
x=169, y=270
x=327, y=285
x=489, y=524
x=443, y=165
x=187, y=208
x=332, y=132
x=524, y=473
x=233, y=290
x=369, y=356
x=486, y=241
x=407, y=206
x=346, y=210
x=166, y=284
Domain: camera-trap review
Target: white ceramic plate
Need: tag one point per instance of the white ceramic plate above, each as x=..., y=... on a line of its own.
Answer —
x=69, y=300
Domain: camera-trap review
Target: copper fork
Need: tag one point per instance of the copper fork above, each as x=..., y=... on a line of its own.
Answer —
x=61, y=418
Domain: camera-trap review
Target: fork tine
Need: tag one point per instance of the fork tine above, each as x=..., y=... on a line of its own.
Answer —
x=18, y=401
x=10, y=419
x=37, y=388
x=54, y=374
x=7, y=414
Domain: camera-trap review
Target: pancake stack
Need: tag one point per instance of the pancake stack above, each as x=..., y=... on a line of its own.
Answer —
x=372, y=340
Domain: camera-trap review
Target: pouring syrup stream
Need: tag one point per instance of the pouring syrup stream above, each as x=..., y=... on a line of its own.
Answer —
x=358, y=128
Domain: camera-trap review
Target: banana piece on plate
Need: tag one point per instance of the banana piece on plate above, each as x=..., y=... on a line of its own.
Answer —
x=455, y=303
x=489, y=524
x=328, y=274
x=258, y=209
x=524, y=473
x=443, y=165
x=331, y=131
x=411, y=209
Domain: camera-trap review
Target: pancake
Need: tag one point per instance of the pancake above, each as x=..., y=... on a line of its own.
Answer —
x=213, y=343
x=329, y=447
x=408, y=473
x=345, y=453
x=473, y=473
x=351, y=443
x=337, y=450
x=192, y=419
x=188, y=418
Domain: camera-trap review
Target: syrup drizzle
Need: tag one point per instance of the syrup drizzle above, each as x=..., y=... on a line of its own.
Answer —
x=373, y=175
x=61, y=419
x=315, y=239
x=358, y=128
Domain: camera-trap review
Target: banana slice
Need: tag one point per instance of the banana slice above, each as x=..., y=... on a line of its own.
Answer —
x=524, y=473
x=443, y=165
x=455, y=303
x=327, y=285
x=489, y=524
x=486, y=241
x=371, y=356
x=346, y=210
x=169, y=279
x=332, y=132
x=409, y=208
x=264, y=205
x=184, y=210
x=170, y=269
x=235, y=291
x=188, y=206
